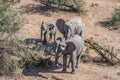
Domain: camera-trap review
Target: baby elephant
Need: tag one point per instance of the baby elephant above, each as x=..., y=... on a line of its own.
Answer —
x=47, y=30
x=72, y=47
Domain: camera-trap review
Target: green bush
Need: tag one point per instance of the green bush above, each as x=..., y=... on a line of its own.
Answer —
x=10, y=20
x=79, y=5
x=15, y=1
x=72, y=4
x=9, y=56
x=116, y=18
x=15, y=55
x=31, y=58
x=8, y=63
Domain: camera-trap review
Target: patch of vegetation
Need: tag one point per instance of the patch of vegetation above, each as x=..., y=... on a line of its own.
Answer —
x=10, y=20
x=79, y=5
x=76, y=5
x=86, y=58
x=31, y=58
x=116, y=18
x=15, y=1
x=109, y=54
x=15, y=55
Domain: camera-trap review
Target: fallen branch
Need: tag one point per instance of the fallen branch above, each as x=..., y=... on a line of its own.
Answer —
x=103, y=52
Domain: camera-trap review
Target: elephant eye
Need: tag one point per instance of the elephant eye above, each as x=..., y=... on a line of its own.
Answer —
x=62, y=46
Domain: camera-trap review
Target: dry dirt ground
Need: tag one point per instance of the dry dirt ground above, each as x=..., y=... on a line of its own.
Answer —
x=97, y=11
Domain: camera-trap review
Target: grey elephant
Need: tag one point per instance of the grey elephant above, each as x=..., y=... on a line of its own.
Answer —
x=73, y=47
x=51, y=47
x=47, y=30
x=73, y=26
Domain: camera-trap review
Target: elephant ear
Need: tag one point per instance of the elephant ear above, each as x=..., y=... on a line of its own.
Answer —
x=66, y=27
x=51, y=26
x=70, y=46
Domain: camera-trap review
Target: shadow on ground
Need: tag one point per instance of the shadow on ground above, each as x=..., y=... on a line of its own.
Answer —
x=33, y=72
x=44, y=66
x=34, y=44
x=109, y=24
x=37, y=71
x=43, y=10
x=106, y=24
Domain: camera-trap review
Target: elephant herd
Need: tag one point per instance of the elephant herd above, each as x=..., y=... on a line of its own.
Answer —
x=72, y=42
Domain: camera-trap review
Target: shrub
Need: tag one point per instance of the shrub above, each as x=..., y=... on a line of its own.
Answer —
x=15, y=1
x=10, y=20
x=116, y=18
x=9, y=56
x=14, y=55
x=8, y=63
x=31, y=58
x=77, y=5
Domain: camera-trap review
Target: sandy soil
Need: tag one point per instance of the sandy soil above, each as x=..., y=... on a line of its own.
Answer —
x=93, y=29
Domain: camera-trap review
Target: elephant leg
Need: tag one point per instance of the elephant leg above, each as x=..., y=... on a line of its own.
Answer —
x=56, y=60
x=50, y=37
x=54, y=36
x=43, y=38
x=41, y=34
x=73, y=61
x=64, y=62
x=78, y=60
x=69, y=62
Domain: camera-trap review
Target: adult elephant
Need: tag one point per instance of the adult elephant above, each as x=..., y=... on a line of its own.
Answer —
x=73, y=26
x=73, y=47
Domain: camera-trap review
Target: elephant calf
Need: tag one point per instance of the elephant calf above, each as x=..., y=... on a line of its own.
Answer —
x=72, y=47
x=48, y=29
x=73, y=26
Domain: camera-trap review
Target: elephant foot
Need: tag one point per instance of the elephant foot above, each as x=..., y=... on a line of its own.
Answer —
x=50, y=41
x=44, y=42
x=64, y=71
x=58, y=66
x=68, y=66
x=76, y=66
x=73, y=72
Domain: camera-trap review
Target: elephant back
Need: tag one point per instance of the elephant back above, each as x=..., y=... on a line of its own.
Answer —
x=78, y=40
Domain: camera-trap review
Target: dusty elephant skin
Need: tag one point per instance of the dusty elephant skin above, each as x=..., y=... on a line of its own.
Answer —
x=74, y=26
x=47, y=30
x=72, y=47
